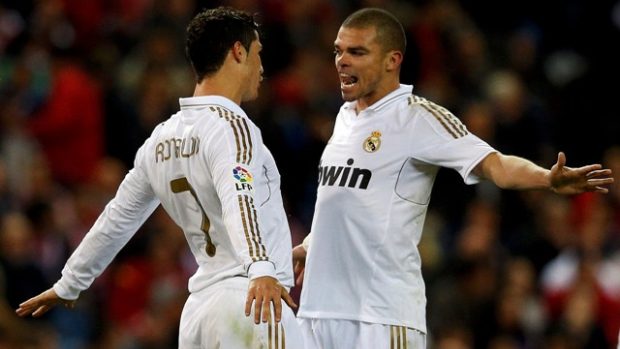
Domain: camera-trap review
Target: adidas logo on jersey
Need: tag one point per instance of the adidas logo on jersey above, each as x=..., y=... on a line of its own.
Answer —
x=344, y=176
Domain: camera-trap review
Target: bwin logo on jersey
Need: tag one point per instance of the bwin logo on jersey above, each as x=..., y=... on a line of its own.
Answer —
x=344, y=176
x=243, y=179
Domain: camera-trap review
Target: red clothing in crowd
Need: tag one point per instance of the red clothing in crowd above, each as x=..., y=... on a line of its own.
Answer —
x=69, y=126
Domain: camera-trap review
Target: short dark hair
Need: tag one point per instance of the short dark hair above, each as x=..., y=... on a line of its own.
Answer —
x=211, y=33
x=390, y=32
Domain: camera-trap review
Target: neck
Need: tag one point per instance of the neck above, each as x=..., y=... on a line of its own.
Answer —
x=222, y=84
x=368, y=100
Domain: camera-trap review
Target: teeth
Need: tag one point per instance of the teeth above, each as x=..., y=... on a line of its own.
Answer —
x=347, y=80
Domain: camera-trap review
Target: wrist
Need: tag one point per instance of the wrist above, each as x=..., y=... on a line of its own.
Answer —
x=261, y=268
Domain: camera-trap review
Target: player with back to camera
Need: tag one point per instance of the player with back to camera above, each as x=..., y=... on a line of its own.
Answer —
x=208, y=167
x=363, y=285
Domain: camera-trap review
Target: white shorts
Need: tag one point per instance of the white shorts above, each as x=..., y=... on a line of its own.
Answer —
x=347, y=334
x=215, y=318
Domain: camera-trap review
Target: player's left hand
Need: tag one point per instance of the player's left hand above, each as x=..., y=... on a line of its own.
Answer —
x=568, y=181
x=41, y=304
x=299, y=263
x=262, y=292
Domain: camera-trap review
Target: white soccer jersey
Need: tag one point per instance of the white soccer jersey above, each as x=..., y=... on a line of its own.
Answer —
x=210, y=170
x=375, y=181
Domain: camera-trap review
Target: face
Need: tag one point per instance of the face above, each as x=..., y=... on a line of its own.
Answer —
x=363, y=66
x=255, y=70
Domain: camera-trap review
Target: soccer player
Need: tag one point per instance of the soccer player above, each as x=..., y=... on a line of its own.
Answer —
x=208, y=167
x=363, y=285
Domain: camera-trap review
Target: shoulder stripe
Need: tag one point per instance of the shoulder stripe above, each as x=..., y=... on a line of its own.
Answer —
x=245, y=146
x=247, y=130
x=450, y=119
x=458, y=125
x=440, y=119
x=449, y=122
x=241, y=132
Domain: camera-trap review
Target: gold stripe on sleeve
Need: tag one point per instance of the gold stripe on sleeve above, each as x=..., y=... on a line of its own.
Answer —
x=245, y=227
x=263, y=252
x=254, y=231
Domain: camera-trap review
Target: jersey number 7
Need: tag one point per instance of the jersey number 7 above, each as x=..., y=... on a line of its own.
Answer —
x=181, y=185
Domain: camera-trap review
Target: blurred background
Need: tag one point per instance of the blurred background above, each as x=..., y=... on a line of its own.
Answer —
x=83, y=83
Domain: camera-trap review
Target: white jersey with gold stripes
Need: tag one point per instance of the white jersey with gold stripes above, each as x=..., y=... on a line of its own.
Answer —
x=375, y=179
x=208, y=167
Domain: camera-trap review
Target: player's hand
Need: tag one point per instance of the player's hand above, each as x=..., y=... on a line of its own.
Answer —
x=41, y=304
x=299, y=263
x=262, y=292
x=567, y=180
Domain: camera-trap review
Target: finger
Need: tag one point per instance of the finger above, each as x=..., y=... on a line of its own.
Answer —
x=257, y=309
x=300, y=278
x=267, y=309
x=601, y=190
x=41, y=310
x=277, y=308
x=599, y=173
x=248, y=304
x=24, y=310
x=288, y=299
x=599, y=182
x=561, y=160
x=589, y=168
x=298, y=267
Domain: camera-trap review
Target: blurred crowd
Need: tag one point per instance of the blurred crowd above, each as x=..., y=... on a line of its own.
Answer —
x=83, y=83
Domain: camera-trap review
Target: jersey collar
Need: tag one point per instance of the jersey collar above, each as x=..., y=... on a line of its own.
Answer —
x=202, y=101
x=385, y=101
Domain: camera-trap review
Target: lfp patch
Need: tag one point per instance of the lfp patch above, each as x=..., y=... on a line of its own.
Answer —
x=243, y=178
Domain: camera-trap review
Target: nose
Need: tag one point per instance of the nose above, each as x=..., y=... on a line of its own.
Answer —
x=341, y=60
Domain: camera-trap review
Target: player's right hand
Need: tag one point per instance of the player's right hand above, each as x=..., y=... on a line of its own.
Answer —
x=41, y=304
x=299, y=263
x=263, y=291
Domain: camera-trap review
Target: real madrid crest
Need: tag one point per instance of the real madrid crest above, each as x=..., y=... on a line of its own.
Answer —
x=372, y=143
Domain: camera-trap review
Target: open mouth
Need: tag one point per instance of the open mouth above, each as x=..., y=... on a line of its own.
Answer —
x=347, y=81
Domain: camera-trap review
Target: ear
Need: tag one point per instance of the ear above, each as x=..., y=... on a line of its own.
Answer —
x=238, y=52
x=394, y=60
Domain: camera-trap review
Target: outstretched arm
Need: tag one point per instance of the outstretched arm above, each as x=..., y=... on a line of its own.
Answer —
x=512, y=172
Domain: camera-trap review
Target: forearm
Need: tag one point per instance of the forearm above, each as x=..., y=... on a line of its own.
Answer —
x=512, y=172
